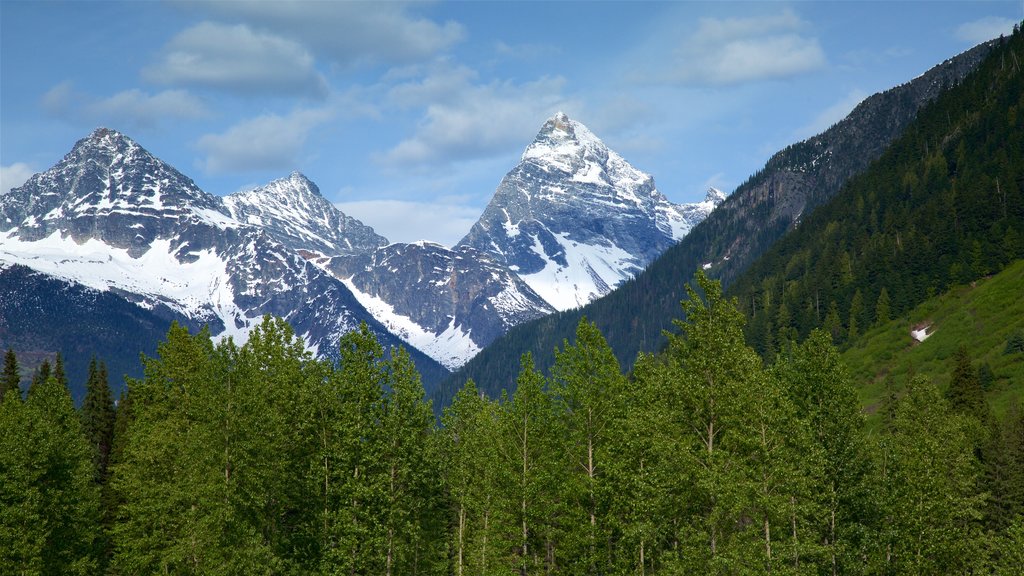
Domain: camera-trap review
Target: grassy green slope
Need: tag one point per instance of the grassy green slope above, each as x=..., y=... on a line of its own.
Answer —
x=981, y=316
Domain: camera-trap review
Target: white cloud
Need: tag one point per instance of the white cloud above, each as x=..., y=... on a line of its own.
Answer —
x=408, y=221
x=737, y=50
x=267, y=142
x=237, y=58
x=350, y=32
x=14, y=175
x=984, y=29
x=130, y=108
x=464, y=120
x=831, y=115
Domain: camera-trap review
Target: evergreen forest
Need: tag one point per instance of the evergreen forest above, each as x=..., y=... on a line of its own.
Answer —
x=704, y=459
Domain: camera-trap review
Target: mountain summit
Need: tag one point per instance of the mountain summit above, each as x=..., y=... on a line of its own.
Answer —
x=574, y=219
x=294, y=212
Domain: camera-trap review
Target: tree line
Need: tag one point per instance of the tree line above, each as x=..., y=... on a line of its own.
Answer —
x=260, y=459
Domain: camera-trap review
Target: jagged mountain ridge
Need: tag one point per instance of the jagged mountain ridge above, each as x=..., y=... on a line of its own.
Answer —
x=293, y=211
x=111, y=216
x=575, y=220
x=759, y=212
x=450, y=303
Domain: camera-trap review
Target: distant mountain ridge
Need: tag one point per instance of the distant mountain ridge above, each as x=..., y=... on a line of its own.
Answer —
x=113, y=217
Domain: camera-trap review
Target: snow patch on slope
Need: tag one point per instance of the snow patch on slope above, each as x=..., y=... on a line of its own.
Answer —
x=586, y=275
x=198, y=289
x=452, y=348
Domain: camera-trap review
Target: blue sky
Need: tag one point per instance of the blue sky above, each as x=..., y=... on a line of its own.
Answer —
x=407, y=115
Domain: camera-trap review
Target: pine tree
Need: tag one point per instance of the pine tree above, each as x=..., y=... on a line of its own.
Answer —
x=49, y=506
x=882, y=314
x=11, y=378
x=58, y=371
x=97, y=415
x=41, y=375
x=856, y=309
x=965, y=394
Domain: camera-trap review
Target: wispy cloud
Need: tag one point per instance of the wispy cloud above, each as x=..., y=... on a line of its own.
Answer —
x=983, y=29
x=831, y=115
x=464, y=120
x=267, y=142
x=725, y=51
x=14, y=175
x=238, y=59
x=349, y=32
x=129, y=109
x=409, y=221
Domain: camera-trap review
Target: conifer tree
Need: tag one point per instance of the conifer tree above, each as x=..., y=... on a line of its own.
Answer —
x=11, y=378
x=97, y=415
x=58, y=371
x=41, y=375
x=964, y=393
x=49, y=506
x=882, y=313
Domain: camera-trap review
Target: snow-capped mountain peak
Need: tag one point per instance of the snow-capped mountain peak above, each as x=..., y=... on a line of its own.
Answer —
x=714, y=196
x=574, y=219
x=294, y=212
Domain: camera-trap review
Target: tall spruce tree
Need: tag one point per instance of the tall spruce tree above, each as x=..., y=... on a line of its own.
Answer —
x=10, y=381
x=49, y=505
x=97, y=415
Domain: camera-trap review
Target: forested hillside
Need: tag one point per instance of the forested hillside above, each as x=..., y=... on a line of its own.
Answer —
x=981, y=322
x=792, y=184
x=943, y=206
x=261, y=459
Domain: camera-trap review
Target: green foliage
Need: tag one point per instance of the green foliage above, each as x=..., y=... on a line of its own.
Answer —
x=929, y=489
x=260, y=459
x=49, y=505
x=10, y=380
x=980, y=317
x=1015, y=344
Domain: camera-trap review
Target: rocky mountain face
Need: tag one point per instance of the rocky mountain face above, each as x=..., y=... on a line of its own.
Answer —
x=571, y=222
x=294, y=213
x=450, y=303
x=112, y=217
x=574, y=219
x=807, y=174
